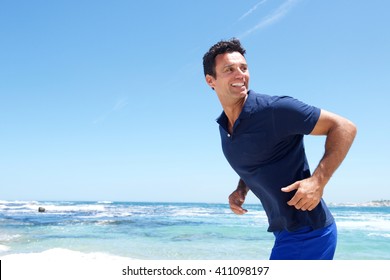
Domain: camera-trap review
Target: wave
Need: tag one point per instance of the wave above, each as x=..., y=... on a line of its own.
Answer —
x=376, y=234
x=60, y=207
x=18, y=201
x=9, y=237
x=74, y=208
x=4, y=248
x=368, y=225
x=105, y=202
x=373, y=203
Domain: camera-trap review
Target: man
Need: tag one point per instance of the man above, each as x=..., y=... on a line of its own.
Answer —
x=262, y=139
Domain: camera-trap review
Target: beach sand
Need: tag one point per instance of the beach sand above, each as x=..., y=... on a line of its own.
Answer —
x=62, y=264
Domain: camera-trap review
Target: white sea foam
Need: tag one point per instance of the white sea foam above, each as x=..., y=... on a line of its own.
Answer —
x=17, y=202
x=379, y=225
x=4, y=248
x=105, y=202
x=13, y=206
x=8, y=237
x=374, y=203
x=386, y=235
x=72, y=208
x=190, y=212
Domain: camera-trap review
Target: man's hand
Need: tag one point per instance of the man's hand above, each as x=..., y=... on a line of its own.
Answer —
x=308, y=195
x=340, y=134
x=236, y=200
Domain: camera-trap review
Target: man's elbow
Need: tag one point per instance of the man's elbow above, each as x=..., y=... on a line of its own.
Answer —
x=350, y=128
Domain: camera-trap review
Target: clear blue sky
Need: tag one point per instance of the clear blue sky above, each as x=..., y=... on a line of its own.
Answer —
x=106, y=100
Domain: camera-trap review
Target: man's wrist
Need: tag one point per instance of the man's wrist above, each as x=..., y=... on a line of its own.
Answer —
x=242, y=186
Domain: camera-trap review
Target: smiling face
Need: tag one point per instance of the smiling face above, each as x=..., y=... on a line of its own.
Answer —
x=231, y=79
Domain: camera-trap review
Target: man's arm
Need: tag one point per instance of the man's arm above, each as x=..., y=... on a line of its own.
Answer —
x=340, y=134
x=237, y=198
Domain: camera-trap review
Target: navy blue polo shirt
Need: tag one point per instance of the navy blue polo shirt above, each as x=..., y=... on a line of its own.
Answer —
x=266, y=150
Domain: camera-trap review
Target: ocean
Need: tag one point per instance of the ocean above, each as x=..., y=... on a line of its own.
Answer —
x=173, y=231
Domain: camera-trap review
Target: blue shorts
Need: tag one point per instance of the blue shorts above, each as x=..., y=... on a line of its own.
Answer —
x=305, y=244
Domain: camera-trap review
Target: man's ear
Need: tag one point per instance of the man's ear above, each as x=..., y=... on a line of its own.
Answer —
x=210, y=81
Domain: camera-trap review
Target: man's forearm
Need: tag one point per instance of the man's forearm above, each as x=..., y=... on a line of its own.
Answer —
x=338, y=142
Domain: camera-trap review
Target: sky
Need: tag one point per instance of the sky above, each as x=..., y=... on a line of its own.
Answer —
x=106, y=100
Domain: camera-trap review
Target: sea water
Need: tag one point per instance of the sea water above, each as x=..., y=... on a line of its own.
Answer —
x=173, y=231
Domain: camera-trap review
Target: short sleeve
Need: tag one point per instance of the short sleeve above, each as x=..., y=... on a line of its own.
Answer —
x=292, y=117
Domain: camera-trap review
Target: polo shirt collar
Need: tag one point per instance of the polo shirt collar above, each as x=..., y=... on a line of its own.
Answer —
x=248, y=106
x=245, y=113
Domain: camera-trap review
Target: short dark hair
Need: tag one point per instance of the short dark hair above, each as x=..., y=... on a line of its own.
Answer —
x=229, y=46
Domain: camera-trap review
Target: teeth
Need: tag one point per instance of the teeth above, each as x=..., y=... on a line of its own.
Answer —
x=238, y=84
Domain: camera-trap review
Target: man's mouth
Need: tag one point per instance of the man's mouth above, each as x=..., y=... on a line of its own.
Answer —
x=238, y=84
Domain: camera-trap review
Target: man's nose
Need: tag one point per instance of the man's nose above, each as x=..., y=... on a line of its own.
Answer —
x=239, y=73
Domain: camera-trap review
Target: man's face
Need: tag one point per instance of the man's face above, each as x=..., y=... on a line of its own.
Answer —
x=232, y=76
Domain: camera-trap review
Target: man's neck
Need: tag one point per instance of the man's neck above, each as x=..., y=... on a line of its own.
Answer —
x=233, y=111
